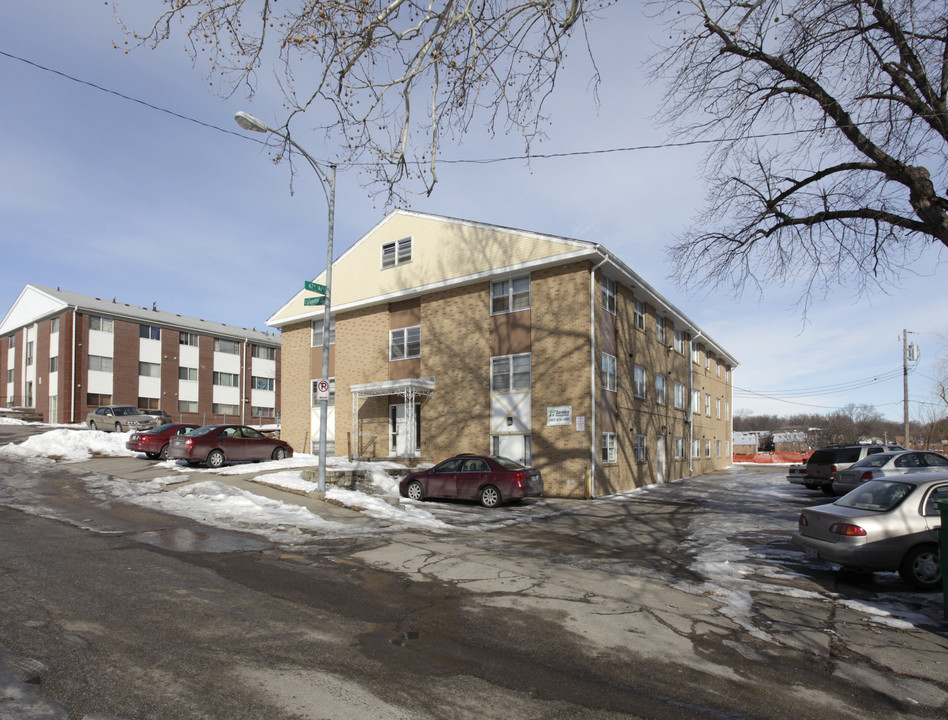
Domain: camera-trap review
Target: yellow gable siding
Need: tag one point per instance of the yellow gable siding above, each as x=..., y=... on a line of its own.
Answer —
x=442, y=250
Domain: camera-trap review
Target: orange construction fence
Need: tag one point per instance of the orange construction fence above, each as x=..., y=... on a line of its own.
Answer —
x=774, y=457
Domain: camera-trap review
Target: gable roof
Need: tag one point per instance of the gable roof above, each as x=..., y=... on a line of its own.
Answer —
x=37, y=303
x=449, y=252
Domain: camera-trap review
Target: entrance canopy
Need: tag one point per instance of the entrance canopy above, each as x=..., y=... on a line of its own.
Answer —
x=409, y=388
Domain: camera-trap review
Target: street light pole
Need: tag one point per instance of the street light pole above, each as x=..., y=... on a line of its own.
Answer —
x=328, y=181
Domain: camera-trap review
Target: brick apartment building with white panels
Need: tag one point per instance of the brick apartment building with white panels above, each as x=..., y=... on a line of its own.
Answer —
x=63, y=354
x=453, y=336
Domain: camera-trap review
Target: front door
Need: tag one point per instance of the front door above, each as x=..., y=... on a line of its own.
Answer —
x=404, y=431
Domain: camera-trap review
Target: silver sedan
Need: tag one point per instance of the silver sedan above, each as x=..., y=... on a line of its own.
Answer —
x=890, y=525
x=888, y=463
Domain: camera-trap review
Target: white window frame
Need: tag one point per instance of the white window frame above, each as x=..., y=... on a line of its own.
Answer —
x=707, y=405
x=505, y=297
x=509, y=373
x=640, y=448
x=679, y=448
x=660, y=328
x=404, y=343
x=150, y=369
x=660, y=387
x=680, y=396
x=638, y=313
x=679, y=341
x=608, y=294
x=609, y=372
x=610, y=454
x=639, y=378
x=717, y=409
x=314, y=333
x=396, y=252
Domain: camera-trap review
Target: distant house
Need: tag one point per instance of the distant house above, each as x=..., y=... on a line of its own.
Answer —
x=790, y=441
x=745, y=443
x=62, y=354
x=453, y=336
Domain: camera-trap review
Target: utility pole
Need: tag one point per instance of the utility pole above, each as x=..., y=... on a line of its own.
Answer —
x=909, y=352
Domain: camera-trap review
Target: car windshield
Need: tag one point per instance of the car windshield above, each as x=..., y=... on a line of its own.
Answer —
x=122, y=411
x=160, y=429
x=877, y=460
x=876, y=495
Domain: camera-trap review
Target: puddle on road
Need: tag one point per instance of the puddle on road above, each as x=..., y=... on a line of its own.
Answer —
x=198, y=541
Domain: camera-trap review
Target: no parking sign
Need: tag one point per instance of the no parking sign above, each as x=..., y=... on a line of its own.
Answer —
x=322, y=390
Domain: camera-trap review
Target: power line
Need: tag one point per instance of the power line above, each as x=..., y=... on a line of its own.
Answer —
x=446, y=161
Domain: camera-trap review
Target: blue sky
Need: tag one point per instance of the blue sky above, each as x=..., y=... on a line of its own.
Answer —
x=107, y=197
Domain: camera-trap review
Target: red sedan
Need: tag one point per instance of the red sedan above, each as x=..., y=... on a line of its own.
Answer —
x=489, y=479
x=154, y=443
x=217, y=444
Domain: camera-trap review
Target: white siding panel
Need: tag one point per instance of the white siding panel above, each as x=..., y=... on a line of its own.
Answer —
x=188, y=356
x=225, y=362
x=100, y=382
x=101, y=343
x=226, y=395
x=187, y=390
x=149, y=387
x=263, y=368
x=263, y=398
x=149, y=351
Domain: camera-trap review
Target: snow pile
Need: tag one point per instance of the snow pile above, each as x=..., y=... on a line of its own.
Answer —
x=69, y=445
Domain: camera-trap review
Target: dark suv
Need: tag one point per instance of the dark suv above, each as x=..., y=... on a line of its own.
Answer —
x=823, y=464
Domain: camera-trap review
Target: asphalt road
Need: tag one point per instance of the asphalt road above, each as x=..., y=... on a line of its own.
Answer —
x=684, y=601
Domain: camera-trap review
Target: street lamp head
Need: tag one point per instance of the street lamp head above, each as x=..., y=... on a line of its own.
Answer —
x=249, y=122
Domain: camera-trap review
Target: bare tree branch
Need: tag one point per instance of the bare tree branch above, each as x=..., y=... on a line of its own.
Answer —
x=388, y=80
x=859, y=192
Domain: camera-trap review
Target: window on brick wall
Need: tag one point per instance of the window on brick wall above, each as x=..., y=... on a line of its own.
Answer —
x=679, y=448
x=187, y=338
x=101, y=324
x=404, y=343
x=638, y=313
x=228, y=347
x=98, y=363
x=609, y=452
x=640, y=452
x=510, y=372
x=317, y=332
x=263, y=352
x=225, y=379
x=262, y=383
x=660, y=389
x=638, y=382
x=146, y=369
x=609, y=294
x=608, y=372
x=149, y=332
x=510, y=295
x=679, y=395
x=189, y=374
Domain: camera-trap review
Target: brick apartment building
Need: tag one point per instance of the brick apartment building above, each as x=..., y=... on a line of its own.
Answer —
x=63, y=354
x=453, y=336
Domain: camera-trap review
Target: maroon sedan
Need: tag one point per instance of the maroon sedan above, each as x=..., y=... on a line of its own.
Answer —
x=154, y=443
x=489, y=479
x=217, y=444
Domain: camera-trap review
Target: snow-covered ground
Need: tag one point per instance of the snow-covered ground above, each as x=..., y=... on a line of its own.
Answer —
x=732, y=570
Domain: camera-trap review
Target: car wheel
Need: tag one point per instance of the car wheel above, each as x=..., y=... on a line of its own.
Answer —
x=415, y=491
x=92, y=425
x=278, y=454
x=827, y=489
x=163, y=455
x=811, y=486
x=490, y=497
x=118, y=427
x=151, y=456
x=215, y=458
x=920, y=567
